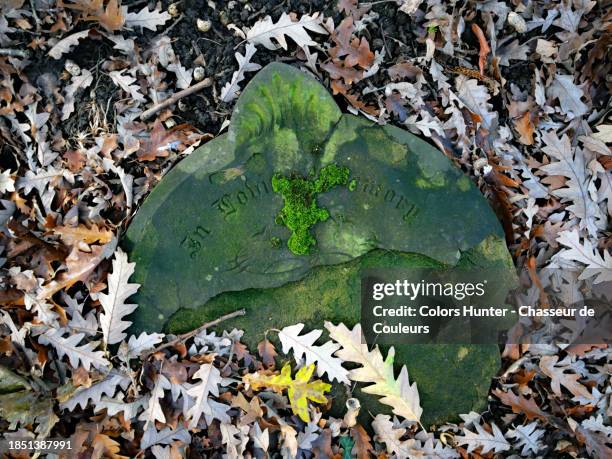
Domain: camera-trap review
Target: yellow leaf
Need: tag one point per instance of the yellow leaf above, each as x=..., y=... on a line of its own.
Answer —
x=299, y=390
x=81, y=233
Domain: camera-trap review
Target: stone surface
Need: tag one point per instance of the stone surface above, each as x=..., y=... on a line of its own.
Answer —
x=214, y=235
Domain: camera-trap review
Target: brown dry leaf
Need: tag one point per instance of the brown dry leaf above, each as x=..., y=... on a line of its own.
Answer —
x=396, y=105
x=363, y=445
x=606, y=162
x=79, y=265
x=251, y=409
x=110, y=17
x=104, y=446
x=71, y=236
x=359, y=105
x=348, y=74
x=525, y=128
x=352, y=8
x=484, y=47
x=521, y=405
x=109, y=144
x=523, y=378
x=404, y=71
x=75, y=159
x=595, y=441
x=323, y=446
x=176, y=372
x=267, y=352
x=81, y=377
x=354, y=51
x=163, y=140
x=581, y=349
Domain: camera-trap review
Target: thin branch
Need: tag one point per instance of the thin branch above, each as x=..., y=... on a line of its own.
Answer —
x=192, y=333
x=205, y=83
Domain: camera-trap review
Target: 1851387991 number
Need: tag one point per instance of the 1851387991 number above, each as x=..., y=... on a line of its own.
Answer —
x=29, y=444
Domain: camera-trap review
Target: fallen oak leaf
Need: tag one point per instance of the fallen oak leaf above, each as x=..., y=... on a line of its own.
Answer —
x=104, y=446
x=73, y=235
x=569, y=161
x=81, y=81
x=352, y=8
x=377, y=371
x=560, y=378
x=267, y=352
x=65, y=44
x=527, y=437
x=111, y=18
x=69, y=346
x=387, y=433
x=299, y=390
x=396, y=104
x=264, y=30
x=359, y=105
x=230, y=90
x=209, y=385
x=303, y=347
x=339, y=71
x=354, y=50
x=569, y=95
x=363, y=445
x=521, y=405
x=597, y=266
x=404, y=71
x=113, y=303
x=125, y=83
x=154, y=412
x=524, y=127
x=162, y=141
x=252, y=409
x=79, y=265
x=484, y=47
x=482, y=439
x=147, y=19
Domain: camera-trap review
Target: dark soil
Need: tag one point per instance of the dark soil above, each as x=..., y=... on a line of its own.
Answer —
x=219, y=44
x=392, y=31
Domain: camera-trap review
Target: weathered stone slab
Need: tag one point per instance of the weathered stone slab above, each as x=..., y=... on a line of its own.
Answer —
x=279, y=215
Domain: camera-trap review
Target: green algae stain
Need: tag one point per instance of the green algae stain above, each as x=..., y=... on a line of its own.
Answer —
x=388, y=150
x=301, y=212
x=463, y=183
x=435, y=181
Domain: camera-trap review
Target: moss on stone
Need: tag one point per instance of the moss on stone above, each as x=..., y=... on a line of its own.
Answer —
x=332, y=293
x=301, y=212
x=463, y=184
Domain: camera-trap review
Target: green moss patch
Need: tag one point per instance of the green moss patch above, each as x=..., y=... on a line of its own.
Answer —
x=301, y=212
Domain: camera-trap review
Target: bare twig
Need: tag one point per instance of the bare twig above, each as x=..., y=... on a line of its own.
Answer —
x=192, y=333
x=34, y=15
x=14, y=52
x=173, y=25
x=205, y=83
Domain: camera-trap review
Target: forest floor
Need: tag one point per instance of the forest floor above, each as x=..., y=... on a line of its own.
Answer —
x=515, y=93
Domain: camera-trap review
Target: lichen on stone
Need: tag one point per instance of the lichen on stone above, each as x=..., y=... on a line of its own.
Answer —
x=300, y=211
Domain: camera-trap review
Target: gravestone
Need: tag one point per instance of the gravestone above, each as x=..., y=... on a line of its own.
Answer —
x=280, y=214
